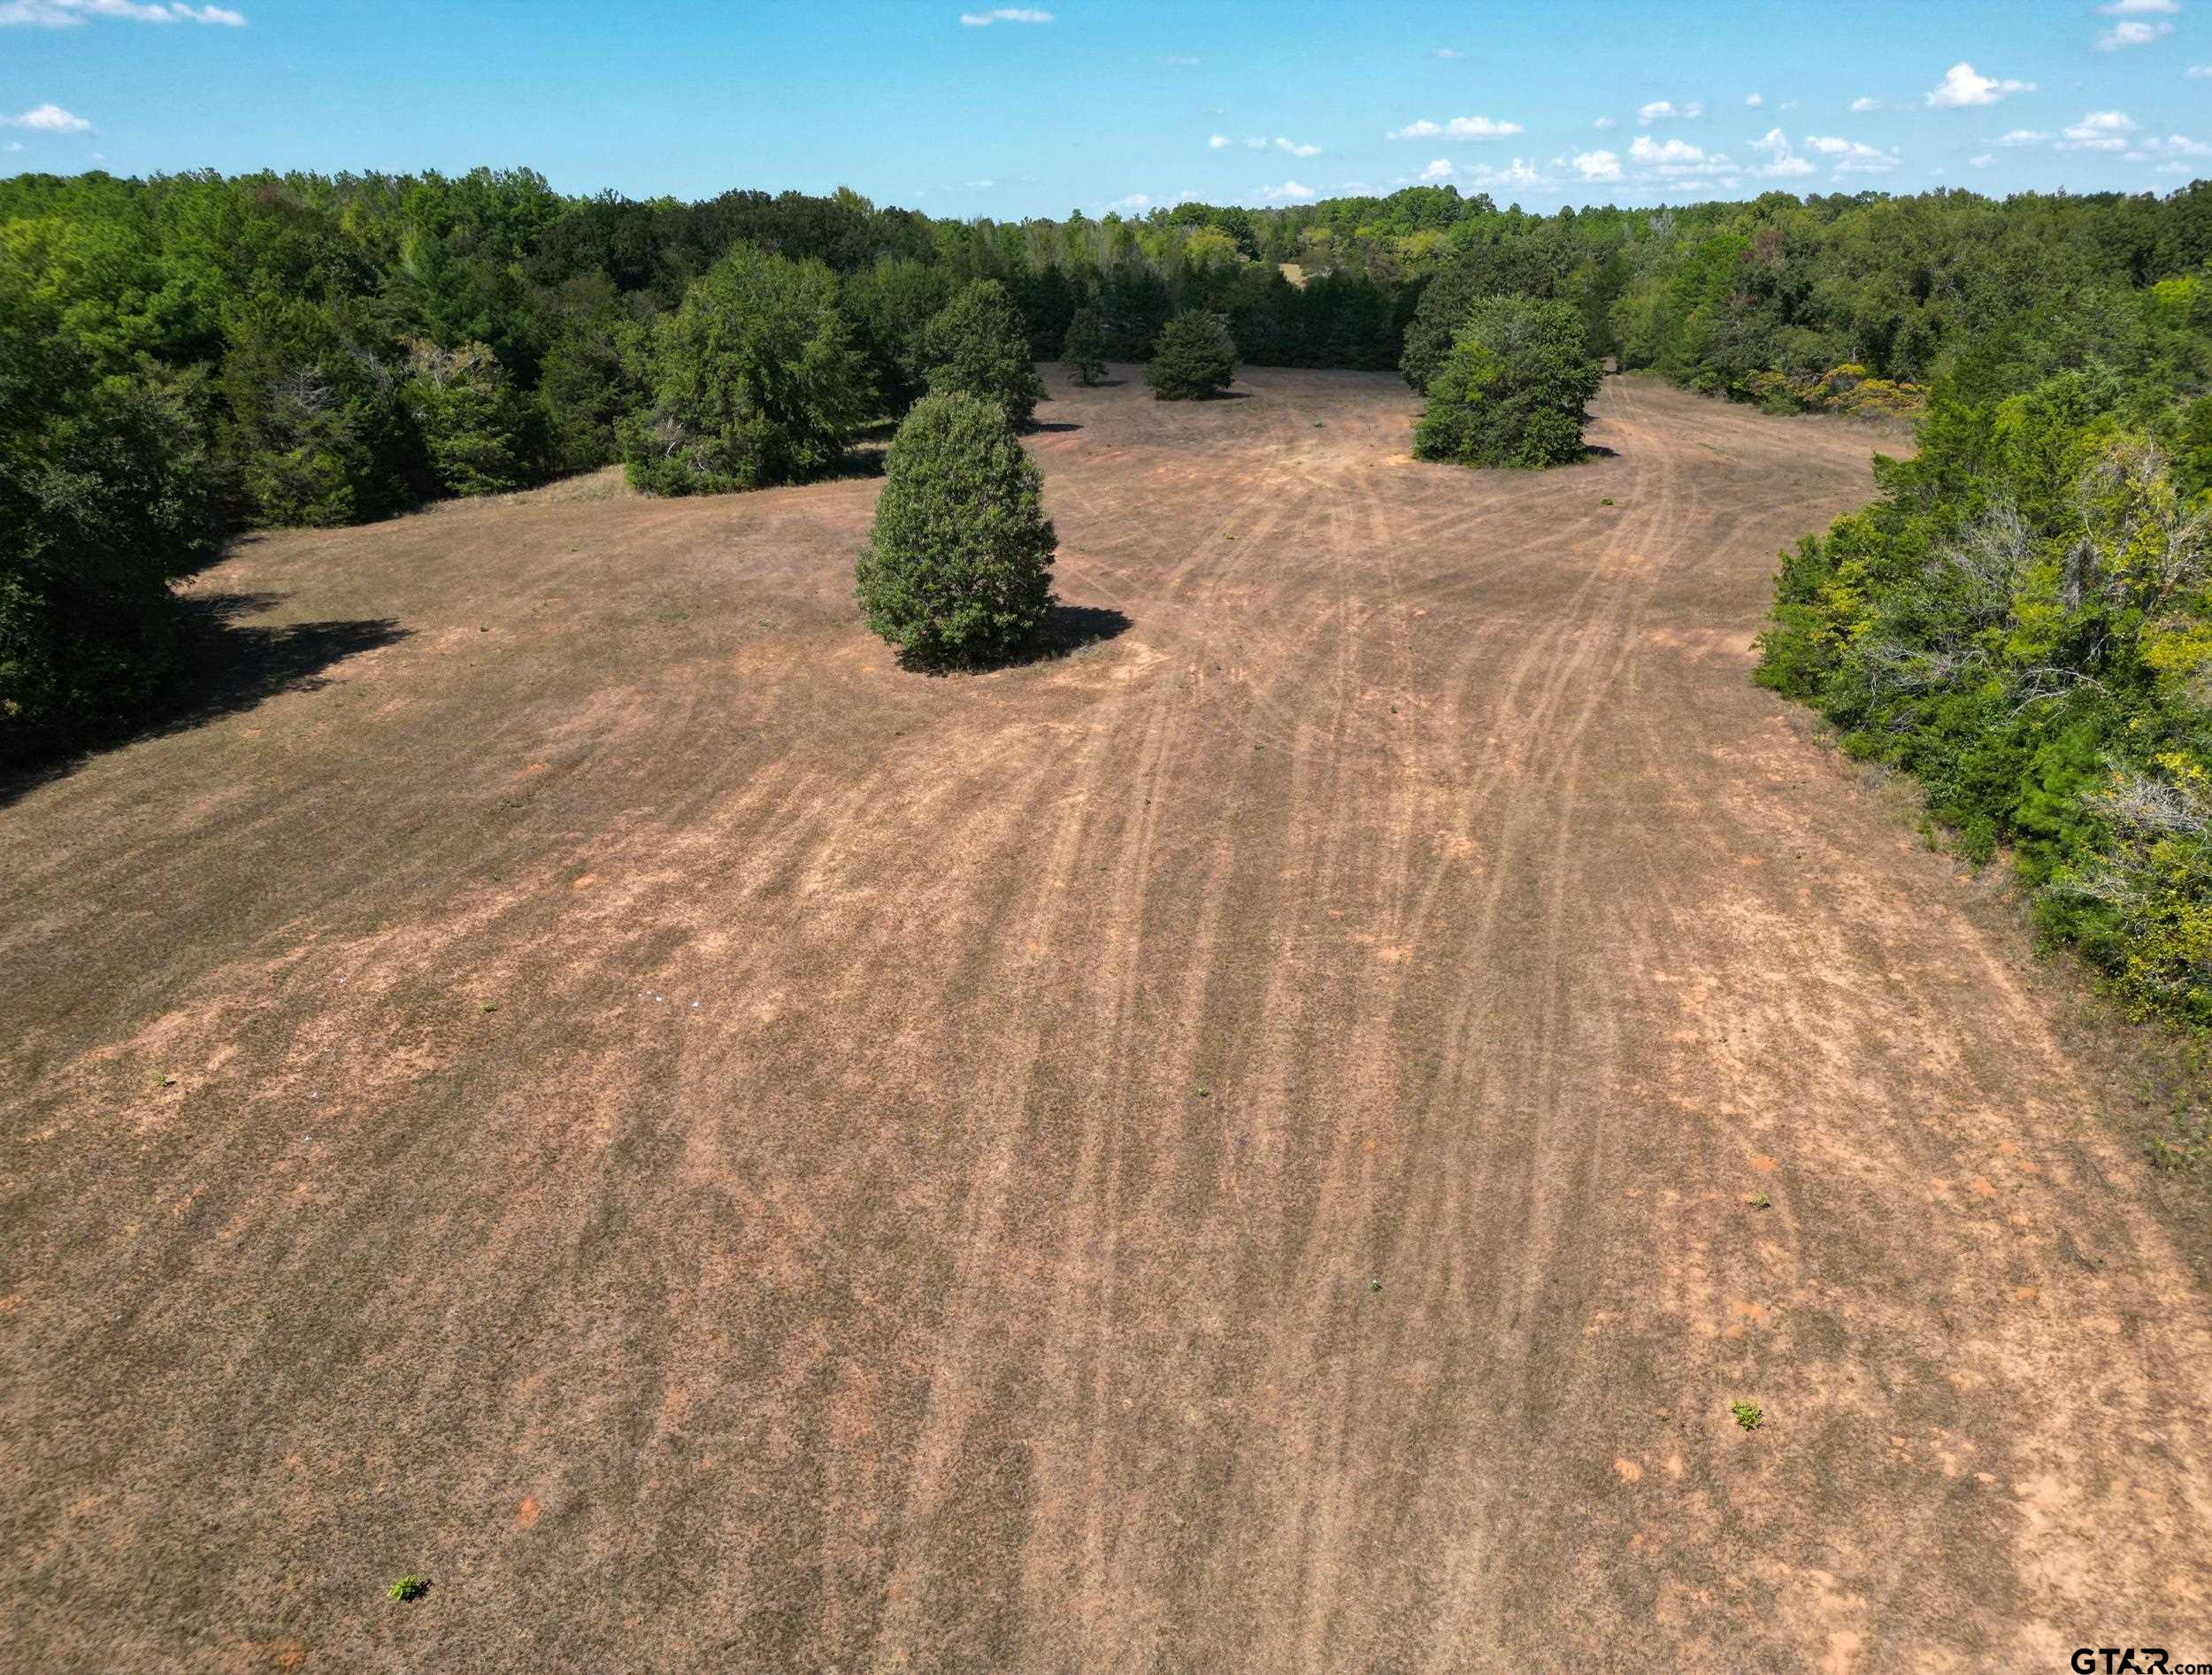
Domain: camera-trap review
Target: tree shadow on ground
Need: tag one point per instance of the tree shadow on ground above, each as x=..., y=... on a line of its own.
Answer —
x=224, y=668
x=865, y=459
x=1068, y=629
x=1596, y=450
x=1042, y=428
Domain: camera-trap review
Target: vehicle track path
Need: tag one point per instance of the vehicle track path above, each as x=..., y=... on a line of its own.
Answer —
x=1234, y=1150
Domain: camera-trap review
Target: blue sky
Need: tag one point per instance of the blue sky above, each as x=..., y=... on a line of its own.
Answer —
x=1006, y=111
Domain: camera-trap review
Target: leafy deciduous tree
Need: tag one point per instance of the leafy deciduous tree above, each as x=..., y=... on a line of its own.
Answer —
x=754, y=381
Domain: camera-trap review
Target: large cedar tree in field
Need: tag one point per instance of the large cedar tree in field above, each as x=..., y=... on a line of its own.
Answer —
x=754, y=381
x=977, y=345
x=1194, y=358
x=1514, y=389
x=958, y=571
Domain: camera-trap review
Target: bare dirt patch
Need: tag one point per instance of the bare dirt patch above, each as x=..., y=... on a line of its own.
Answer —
x=1273, y=1142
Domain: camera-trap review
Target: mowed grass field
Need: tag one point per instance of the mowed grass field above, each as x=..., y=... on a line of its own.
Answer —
x=1270, y=1142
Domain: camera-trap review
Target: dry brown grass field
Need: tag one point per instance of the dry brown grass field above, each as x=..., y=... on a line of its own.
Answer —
x=1270, y=1142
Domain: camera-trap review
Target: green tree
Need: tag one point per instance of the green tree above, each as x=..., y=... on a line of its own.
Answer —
x=481, y=438
x=318, y=435
x=754, y=381
x=1193, y=359
x=958, y=570
x=103, y=501
x=976, y=344
x=1513, y=390
x=890, y=304
x=1085, y=350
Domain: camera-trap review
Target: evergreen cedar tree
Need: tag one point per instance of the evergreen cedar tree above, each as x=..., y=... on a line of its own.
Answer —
x=958, y=568
x=1193, y=359
x=976, y=345
x=755, y=382
x=1084, y=349
x=1513, y=390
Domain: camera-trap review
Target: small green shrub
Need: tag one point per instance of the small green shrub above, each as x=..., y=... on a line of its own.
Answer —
x=1194, y=358
x=958, y=571
x=1749, y=1414
x=408, y=1588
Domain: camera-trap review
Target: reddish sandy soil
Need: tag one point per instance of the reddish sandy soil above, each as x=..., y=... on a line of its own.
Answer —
x=1231, y=1149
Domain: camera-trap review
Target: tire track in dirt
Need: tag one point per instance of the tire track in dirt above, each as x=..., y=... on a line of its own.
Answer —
x=905, y=1304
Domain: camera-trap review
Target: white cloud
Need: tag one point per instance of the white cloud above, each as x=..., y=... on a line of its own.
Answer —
x=1603, y=123
x=1460, y=127
x=1598, y=165
x=1782, y=163
x=1282, y=144
x=1448, y=52
x=1667, y=110
x=65, y=14
x=2132, y=35
x=1853, y=157
x=1982, y=161
x=1863, y=105
x=2174, y=145
x=1134, y=201
x=2023, y=136
x=982, y=185
x=1288, y=192
x=15, y=145
x=1648, y=150
x=2099, y=131
x=1217, y=142
x=1004, y=14
x=1962, y=87
x=1754, y=100
x=1439, y=170
x=2199, y=72
x=1255, y=142
x=2137, y=8
x=1522, y=173
x=50, y=119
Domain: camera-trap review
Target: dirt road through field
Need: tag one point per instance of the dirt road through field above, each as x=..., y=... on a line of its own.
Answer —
x=1270, y=1143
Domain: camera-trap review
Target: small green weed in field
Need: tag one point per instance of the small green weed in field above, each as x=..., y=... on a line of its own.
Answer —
x=1607, y=501
x=1205, y=1092
x=491, y=1006
x=1759, y=1200
x=409, y=1588
x=1374, y=1285
x=2186, y=1149
x=1749, y=1414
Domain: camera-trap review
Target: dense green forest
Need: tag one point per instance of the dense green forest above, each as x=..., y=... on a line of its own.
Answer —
x=2023, y=619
